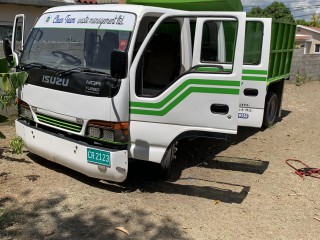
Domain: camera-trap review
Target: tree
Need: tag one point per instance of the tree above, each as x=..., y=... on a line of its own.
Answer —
x=276, y=10
x=256, y=12
x=315, y=20
x=302, y=22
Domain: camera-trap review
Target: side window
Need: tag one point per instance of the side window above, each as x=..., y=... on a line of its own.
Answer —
x=209, y=46
x=143, y=31
x=253, y=43
x=160, y=63
x=218, y=41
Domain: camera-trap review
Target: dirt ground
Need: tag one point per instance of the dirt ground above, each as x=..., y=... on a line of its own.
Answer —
x=241, y=188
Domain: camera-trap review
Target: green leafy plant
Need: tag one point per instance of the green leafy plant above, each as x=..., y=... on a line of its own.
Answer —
x=300, y=79
x=9, y=82
x=16, y=145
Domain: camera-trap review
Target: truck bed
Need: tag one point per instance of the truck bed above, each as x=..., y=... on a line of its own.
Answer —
x=193, y=5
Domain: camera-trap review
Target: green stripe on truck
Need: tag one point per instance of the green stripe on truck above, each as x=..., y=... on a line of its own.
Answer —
x=179, y=99
x=181, y=87
x=253, y=78
x=256, y=72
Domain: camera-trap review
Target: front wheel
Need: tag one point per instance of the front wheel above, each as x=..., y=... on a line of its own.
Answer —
x=271, y=109
x=165, y=165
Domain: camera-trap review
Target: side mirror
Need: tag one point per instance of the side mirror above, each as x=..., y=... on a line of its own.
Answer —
x=7, y=50
x=119, y=64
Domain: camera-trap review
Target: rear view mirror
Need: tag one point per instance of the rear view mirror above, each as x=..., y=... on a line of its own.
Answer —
x=7, y=50
x=119, y=64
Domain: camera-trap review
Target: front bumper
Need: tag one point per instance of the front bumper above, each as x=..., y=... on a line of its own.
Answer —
x=72, y=154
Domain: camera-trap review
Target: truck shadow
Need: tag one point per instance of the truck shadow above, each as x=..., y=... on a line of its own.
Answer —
x=202, y=152
x=144, y=178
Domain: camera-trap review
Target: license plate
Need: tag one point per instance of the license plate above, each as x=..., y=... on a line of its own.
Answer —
x=98, y=157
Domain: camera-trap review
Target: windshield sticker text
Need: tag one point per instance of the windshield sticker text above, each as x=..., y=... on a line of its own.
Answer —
x=96, y=20
x=118, y=20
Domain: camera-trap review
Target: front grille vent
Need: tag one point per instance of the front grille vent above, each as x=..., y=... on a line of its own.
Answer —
x=59, y=123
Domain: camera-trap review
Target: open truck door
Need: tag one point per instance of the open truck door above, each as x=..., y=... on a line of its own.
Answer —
x=255, y=71
x=18, y=36
x=175, y=91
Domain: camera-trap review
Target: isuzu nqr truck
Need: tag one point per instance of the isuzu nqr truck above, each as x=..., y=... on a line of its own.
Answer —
x=108, y=83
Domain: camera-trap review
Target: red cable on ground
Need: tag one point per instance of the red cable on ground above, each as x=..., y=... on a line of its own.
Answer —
x=304, y=171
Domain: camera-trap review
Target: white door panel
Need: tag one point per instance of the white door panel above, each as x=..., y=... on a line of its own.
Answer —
x=255, y=77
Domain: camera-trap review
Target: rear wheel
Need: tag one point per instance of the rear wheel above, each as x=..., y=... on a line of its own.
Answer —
x=271, y=109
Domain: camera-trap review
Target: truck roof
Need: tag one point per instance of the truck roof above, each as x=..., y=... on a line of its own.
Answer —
x=137, y=9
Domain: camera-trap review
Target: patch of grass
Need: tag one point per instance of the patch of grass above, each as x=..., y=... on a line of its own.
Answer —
x=16, y=145
x=7, y=218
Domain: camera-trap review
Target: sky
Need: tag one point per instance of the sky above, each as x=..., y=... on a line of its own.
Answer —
x=299, y=8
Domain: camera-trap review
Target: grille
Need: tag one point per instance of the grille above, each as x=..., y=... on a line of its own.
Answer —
x=59, y=123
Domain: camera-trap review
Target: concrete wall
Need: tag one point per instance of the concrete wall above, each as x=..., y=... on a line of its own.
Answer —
x=306, y=65
x=8, y=12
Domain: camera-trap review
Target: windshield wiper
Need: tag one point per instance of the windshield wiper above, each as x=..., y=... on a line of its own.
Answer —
x=81, y=69
x=34, y=65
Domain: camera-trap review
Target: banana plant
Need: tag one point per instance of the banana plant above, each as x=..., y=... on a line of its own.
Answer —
x=9, y=82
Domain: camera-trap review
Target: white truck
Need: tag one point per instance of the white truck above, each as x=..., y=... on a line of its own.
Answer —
x=110, y=83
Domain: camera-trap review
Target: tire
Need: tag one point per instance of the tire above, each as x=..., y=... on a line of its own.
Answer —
x=271, y=110
x=165, y=165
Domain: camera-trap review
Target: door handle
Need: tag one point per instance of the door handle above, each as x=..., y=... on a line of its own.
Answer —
x=251, y=92
x=219, y=108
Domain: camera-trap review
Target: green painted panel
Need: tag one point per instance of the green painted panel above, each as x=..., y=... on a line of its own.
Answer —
x=208, y=69
x=257, y=72
x=252, y=78
x=193, y=5
x=282, y=45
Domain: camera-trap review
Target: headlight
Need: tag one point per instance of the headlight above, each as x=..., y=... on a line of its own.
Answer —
x=108, y=131
x=94, y=132
x=24, y=110
x=107, y=135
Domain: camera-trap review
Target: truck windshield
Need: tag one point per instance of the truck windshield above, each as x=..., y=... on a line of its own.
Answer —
x=68, y=40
